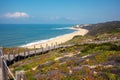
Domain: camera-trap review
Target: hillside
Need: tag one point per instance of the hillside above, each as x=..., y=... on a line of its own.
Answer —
x=82, y=61
x=113, y=26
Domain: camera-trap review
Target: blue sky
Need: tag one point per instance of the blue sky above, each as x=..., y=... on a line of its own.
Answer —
x=58, y=11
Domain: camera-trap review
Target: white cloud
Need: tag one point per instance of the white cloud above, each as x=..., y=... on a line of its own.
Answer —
x=17, y=15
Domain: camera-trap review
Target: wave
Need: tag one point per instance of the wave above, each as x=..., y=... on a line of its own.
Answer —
x=62, y=28
x=42, y=41
x=34, y=43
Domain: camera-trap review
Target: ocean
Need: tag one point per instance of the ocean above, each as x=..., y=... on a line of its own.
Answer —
x=13, y=35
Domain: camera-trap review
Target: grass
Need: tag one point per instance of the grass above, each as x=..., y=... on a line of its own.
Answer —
x=49, y=69
x=107, y=51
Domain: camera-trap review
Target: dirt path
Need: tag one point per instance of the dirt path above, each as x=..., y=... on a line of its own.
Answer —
x=68, y=55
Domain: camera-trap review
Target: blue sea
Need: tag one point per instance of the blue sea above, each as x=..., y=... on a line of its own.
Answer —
x=13, y=35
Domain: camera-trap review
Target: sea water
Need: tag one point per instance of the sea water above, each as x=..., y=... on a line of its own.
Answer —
x=13, y=35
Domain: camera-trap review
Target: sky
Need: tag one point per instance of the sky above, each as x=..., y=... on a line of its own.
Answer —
x=58, y=11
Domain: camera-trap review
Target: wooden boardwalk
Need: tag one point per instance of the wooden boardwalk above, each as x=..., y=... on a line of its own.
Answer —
x=26, y=54
x=11, y=58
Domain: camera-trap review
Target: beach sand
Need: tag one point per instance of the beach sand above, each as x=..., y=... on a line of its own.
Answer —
x=60, y=39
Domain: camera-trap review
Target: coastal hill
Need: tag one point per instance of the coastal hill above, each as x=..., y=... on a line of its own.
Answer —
x=103, y=27
x=92, y=57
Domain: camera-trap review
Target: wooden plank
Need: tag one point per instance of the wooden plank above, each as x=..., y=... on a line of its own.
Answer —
x=2, y=64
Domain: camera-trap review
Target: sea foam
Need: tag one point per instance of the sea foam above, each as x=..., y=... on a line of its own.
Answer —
x=46, y=40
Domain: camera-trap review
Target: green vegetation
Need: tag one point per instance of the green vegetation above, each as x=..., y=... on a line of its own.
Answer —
x=48, y=68
x=81, y=61
x=100, y=28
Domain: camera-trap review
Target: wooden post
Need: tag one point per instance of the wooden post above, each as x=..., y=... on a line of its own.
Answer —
x=34, y=49
x=20, y=75
x=8, y=56
x=46, y=46
x=27, y=52
x=18, y=55
x=55, y=44
x=24, y=53
x=61, y=44
x=41, y=48
x=13, y=54
x=51, y=46
x=2, y=64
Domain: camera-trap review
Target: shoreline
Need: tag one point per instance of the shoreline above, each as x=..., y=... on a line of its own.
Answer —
x=56, y=40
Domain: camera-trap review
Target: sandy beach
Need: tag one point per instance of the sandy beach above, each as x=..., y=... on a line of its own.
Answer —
x=58, y=40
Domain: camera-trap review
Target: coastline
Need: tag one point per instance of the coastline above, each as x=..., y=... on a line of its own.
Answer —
x=57, y=40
